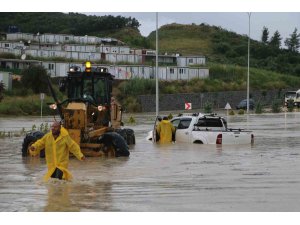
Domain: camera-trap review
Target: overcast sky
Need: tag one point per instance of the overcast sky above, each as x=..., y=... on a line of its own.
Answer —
x=237, y=22
x=283, y=16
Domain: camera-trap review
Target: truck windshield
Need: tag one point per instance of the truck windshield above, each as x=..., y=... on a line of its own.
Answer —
x=290, y=94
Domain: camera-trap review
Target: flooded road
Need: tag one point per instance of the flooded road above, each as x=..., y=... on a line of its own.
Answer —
x=175, y=177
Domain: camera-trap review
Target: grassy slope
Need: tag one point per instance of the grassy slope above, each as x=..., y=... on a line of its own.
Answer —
x=121, y=34
x=201, y=40
x=186, y=39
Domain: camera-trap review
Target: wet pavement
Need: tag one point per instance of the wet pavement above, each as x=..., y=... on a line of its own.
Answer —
x=176, y=177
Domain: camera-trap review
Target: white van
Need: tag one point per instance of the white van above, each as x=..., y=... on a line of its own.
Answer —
x=292, y=95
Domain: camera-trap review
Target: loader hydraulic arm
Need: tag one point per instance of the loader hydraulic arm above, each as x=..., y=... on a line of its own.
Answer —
x=59, y=107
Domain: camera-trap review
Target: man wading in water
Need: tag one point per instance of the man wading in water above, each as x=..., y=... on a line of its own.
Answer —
x=57, y=145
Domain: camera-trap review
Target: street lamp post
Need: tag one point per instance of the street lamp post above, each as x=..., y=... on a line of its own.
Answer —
x=249, y=15
x=38, y=34
x=156, y=66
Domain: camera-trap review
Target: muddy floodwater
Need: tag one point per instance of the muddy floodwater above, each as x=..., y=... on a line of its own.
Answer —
x=176, y=177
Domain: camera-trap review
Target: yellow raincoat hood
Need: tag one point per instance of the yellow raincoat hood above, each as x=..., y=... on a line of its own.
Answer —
x=57, y=152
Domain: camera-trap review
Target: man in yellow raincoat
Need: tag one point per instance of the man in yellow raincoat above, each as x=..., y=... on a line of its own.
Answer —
x=57, y=145
x=165, y=129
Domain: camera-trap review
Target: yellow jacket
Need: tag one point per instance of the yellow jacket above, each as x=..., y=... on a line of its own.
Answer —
x=57, y=152
x=165, y=129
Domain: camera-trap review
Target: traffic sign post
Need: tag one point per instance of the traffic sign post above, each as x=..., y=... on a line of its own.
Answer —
x=227, y=107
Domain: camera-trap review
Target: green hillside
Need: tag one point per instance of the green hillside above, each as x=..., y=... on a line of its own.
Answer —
x=222, y=46
x=225, y=50
x=122, y=28
x=184, y=39
x=216, y=43
x=66, y=23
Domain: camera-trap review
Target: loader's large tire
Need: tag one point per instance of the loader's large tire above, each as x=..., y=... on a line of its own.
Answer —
x=115, y=140
x=122, y=132
x=29, y=139
x=128, y=135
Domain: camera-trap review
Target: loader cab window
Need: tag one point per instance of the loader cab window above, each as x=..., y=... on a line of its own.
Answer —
x=96, y=91
x=74, y=88
x=101, y=92
x=88, y=90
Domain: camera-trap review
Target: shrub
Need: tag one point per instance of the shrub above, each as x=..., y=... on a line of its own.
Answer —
x=35, y=78
x=1, y=90
x=131, y=120
x=258, y=108
x=241, y=112
x=30, y=105
x=207, y=107
x=290, y=105
x=276, y=106
x=221, y=47
x=7, y=55
x=132, y=105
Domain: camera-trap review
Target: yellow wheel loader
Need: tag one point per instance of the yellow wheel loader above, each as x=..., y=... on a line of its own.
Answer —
x=91, y=115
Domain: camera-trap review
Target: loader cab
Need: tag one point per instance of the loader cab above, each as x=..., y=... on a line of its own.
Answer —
x=92, y=84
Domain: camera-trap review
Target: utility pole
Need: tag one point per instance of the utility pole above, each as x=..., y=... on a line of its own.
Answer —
x=157, y=89
x=42, y=97
x=248, y=74
x=38, y=34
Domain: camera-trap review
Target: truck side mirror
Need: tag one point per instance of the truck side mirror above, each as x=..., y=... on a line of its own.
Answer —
x=62, y=85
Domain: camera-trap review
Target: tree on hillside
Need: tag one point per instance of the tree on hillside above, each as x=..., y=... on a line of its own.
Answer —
x=275, y=41
x=293, y=42
x=1, y=90
x=265, y=35
x=71, y=23
x=35, y=78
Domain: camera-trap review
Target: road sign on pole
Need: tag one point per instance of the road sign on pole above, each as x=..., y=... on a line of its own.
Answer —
x=188, y=105
x=227, y=107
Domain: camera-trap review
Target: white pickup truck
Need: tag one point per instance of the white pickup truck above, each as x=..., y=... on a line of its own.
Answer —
x=201, y=128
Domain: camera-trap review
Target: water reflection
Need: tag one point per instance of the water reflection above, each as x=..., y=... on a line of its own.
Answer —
x=59, y=197
x=75, y=196
x=31, y=163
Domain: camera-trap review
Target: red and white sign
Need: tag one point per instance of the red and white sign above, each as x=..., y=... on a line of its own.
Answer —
x=188, y=105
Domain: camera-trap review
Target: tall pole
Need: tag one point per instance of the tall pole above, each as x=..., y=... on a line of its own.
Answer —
x=39, y=40
x=156, y=67
x=41, y=109
x=249, y=15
